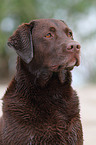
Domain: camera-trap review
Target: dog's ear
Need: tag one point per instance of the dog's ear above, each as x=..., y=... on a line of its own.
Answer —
x=21, y=41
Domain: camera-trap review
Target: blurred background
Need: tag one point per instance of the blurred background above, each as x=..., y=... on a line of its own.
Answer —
x=80, y=15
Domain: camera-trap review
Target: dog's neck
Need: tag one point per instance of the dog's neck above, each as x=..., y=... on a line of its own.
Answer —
x=41, y=76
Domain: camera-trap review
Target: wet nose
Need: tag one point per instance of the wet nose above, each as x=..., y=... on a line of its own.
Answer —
x=73, y=47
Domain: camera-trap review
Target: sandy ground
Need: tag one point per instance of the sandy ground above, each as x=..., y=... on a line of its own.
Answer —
x=87, y=97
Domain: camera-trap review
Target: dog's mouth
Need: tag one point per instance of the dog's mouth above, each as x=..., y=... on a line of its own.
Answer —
x=68, y=66
x=57, y=68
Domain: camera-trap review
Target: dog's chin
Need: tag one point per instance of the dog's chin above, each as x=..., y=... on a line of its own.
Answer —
x=71, y=64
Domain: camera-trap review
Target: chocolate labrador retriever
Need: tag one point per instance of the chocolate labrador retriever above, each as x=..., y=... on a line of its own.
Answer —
x=40, y=107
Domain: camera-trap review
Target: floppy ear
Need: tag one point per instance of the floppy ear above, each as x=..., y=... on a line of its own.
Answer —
x=21, y=41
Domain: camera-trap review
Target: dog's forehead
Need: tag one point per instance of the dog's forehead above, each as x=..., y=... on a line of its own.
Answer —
x=46, y=23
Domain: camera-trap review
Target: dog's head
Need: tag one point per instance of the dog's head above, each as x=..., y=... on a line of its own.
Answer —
x=48, y=43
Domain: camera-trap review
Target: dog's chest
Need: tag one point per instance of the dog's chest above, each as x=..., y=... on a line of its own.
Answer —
x=50, y=122
x=48, y=105
x=50, y=132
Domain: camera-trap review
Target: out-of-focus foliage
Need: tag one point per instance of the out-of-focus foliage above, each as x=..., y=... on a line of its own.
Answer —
x=18, y=11
x=79, y=15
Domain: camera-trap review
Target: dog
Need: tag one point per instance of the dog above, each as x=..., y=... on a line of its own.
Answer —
x=40, y=107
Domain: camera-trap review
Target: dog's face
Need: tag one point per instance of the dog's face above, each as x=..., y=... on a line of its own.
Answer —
x=47, y=42
x=54, y=45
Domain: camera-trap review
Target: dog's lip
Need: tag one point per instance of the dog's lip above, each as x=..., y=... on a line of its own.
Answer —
x=57, y=68
x=54, y=67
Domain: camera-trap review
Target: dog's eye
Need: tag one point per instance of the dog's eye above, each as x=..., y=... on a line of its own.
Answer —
x=70, y=34
x=48, y=35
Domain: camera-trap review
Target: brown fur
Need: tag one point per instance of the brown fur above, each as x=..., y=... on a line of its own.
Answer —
x=40, y=107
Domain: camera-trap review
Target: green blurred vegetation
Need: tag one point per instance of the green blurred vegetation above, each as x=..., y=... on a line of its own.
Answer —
x=15, y=12
x=18, y=10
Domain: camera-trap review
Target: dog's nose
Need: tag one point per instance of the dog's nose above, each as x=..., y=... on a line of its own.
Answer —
x=73, y=47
